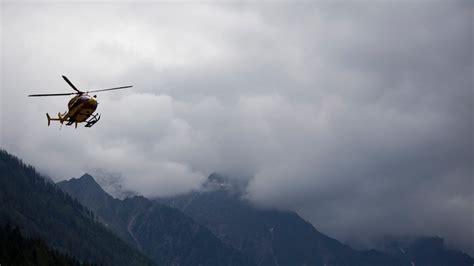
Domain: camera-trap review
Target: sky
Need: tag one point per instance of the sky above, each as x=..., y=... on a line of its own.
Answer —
x=358, y=115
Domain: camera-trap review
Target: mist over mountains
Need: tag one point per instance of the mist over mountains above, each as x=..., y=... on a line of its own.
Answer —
x=256, y=227
x=266, y=237
x=164, y=234
x=212, y=226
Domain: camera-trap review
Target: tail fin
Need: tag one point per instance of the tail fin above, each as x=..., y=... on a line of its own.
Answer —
x=60, y=118
x=49, y=119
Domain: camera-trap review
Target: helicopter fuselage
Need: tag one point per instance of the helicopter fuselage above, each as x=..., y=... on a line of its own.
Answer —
x=80, y=108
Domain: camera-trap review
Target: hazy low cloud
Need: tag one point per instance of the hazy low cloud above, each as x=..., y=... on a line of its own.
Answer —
x=357, y=115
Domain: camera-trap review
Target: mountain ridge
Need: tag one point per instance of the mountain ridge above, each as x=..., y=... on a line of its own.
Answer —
x=165, y=234
x=268, y=231
x=42, y=210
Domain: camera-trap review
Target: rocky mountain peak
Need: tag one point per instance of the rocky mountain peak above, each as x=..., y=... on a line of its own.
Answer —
x=87, y=178
x=217, y=181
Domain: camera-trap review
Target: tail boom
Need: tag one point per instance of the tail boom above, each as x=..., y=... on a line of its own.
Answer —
x=53, y=119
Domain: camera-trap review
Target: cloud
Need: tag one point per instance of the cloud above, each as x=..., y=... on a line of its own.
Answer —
x=358, y=116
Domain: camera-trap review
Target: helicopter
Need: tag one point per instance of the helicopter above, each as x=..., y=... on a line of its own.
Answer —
x=81, y=107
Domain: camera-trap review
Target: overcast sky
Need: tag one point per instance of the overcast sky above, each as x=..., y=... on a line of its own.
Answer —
x=357, y=115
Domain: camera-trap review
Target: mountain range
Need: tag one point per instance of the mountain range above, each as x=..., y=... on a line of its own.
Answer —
x=273, y=237
x=164, y=234
x=269, y=237
x=265, y=237
x=42, y=211
x=76, y=221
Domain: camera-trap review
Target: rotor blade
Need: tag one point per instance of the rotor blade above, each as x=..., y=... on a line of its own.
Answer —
x=70, y=84
x=52, y=94
x=117, y=88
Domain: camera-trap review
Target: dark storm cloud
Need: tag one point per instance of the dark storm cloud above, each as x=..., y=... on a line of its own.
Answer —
x=356, y=115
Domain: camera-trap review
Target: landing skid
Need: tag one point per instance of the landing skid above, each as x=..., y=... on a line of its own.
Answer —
x=92, y=120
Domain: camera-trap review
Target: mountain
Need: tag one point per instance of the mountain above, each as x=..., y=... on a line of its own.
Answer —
x=268, y=237
x=17, y=250
x=272, y=237
x=164, y=234
x=429, y=251
x=41, y=210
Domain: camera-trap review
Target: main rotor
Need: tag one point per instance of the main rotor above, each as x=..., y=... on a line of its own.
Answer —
x=78, y=92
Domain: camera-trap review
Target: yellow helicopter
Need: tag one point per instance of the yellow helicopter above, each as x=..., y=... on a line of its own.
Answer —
x=81, y=107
